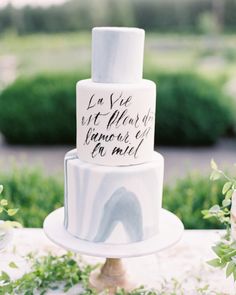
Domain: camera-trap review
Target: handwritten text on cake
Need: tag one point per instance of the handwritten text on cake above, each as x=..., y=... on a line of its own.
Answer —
x=113, y=120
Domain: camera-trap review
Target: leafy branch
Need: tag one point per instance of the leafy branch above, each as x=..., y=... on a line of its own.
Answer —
x=4, y=204
x=221, y=211
x=5, y=225
x=225, y=249
x=52, y=272
x=46, y=273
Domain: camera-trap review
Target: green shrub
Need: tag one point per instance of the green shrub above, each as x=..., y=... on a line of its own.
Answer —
x=41, y=110
x=190, y=110
x=33, y=193
x=189, y=196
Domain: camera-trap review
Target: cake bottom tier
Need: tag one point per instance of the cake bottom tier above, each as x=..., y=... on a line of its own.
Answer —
x=113, y=205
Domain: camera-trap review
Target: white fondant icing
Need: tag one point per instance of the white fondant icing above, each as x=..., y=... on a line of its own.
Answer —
x=115, y=122
x=117, y=55
x=119, y=200
x=114, y=205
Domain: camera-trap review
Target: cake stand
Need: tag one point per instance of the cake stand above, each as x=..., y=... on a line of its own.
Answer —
x=112, y=274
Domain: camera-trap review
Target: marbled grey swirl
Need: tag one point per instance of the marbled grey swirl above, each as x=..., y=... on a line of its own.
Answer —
x=123, y=206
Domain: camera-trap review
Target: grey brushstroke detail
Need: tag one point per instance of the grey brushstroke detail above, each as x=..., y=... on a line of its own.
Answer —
x=75, y=184
x=123, y=206
x=72, y=157
x=109, y=180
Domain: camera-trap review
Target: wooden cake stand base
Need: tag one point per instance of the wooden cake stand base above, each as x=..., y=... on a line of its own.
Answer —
x=110, y=277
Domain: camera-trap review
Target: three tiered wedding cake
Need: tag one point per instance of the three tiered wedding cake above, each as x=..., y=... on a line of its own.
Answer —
x=114, y=179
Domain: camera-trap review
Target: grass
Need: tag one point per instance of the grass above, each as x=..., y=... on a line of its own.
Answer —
x=71, y=51
x=42, y=52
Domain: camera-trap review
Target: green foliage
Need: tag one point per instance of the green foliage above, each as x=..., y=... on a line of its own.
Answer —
x=221, y=209
x=190, y=110
x=41, y=110
x=226, y=253
x=161, y=15
x=47, y=273
x=52, y=272
x=4, y=206
x=225, y=249
x=35, y=194
x=189, y=196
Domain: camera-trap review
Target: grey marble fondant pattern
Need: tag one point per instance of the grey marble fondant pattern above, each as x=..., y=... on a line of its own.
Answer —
x=107, y=182
x=69, y=156
x=112, y=205
x=123, y=206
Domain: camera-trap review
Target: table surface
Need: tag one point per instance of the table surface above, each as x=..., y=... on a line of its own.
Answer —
x=185, y=262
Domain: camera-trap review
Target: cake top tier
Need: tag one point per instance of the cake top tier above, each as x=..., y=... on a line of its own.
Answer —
x=117, y=55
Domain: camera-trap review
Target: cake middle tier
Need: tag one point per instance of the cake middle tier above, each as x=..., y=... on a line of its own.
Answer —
x=114, y=205
x=115, y=122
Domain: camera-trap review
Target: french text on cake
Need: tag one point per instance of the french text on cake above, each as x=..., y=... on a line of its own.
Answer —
x=112, y=114
x=113, y=101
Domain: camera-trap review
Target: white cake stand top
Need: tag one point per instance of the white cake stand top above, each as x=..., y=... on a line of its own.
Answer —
x=171, y=229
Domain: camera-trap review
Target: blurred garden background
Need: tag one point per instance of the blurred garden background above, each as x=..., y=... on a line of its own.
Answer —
x=190, y=52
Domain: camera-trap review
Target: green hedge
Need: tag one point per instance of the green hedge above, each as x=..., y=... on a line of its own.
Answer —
x=37, y=195
x=190, y=110
x=41, y=110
